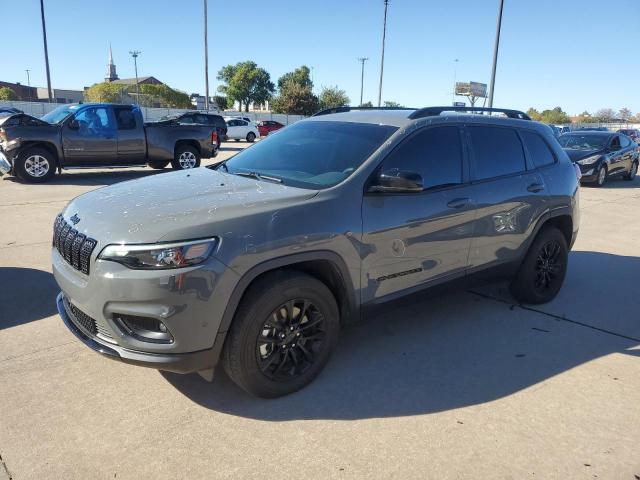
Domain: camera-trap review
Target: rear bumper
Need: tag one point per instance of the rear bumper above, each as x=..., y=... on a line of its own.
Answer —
x=178, y=362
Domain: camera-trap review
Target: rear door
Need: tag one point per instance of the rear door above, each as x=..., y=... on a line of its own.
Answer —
x=510, y=195
x=91, y=139
x=131, y=138
x=616, y=157
x=627, y=153
x=411, y=240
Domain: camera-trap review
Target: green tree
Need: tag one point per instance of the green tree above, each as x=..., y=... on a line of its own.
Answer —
x=165, y=95
x=391, y=104
x=331, y=97
x=7, y=94
x=555, y=115
x=300, y=76
x=104, y=93
x=534, y=114
x=245, y=83
x=222, y=102
x=295, y=99
x=367, y=104
x=605, y=115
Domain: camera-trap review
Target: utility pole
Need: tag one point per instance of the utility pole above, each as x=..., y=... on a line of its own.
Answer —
x=46, y=50
x=492, y=85
x=134, y=54
x=206, y=61
x=455, y=72
x=384, y=34
x=28, y=83
x=362, y=60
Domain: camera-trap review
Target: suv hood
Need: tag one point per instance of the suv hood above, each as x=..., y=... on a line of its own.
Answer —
x=176, y=206
x=576, y=155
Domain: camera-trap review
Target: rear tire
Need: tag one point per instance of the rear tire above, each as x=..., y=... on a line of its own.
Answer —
x=157, y=165
x=543, y=269
x=186, y=158
x=251, y=137
x=35, y=165
x=632, y=171
x=282, y=334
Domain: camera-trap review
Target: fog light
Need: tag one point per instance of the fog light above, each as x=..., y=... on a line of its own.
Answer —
x=146, y=329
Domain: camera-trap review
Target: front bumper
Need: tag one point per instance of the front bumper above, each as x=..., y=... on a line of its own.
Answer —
x=178, y=363
x=5, y=165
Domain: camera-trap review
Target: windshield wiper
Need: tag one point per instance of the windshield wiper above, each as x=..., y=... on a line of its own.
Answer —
x=258, y=176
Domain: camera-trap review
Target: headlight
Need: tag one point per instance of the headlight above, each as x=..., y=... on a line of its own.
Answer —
x=11, y=144
x=589, y=160
x=160, y=255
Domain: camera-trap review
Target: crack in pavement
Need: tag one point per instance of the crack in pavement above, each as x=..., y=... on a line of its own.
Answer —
x=14, y=357
x=14, y=245
x=4, y=471
x=556, y=317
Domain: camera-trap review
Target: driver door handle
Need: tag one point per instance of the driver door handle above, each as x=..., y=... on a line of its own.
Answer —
x=535, y=187
x=458, y=203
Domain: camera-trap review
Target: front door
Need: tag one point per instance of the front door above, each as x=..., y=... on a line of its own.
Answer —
x=90, y=139
x=412, y=240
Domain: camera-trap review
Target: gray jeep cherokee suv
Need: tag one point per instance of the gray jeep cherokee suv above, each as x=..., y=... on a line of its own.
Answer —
x=259, y=261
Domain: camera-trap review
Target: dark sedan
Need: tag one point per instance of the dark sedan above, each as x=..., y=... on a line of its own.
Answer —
x=601, y=155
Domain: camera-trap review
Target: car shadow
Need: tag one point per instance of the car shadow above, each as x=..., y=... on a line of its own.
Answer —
x=436, y=354
x=94, y=177
x=616, y=182
x=26, y=295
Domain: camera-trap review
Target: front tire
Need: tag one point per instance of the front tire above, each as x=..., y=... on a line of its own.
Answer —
x=632, y=171
x=601, y=179
x=251, y=137
x=35, y=165
x=543, y=269
x=186, y=157
x=282, y=335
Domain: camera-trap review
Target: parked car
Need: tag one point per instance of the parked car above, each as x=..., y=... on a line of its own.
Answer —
x=555, y=130
x=563, y=129
x=97, y=135
x=313, y=226
x=200, y=118
x=632, y=133
x=601, y=155
x=238, y=129
x=246, y=119
x=592, y=129
x=265, y=127
x=4, y=111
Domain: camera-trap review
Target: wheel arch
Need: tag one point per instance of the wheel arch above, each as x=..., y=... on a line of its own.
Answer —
x=48, y=146
x=191, y=143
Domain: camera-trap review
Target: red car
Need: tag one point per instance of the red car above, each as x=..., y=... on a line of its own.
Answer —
x=267, y=126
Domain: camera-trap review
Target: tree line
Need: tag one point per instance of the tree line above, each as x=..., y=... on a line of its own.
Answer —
x=604, y=115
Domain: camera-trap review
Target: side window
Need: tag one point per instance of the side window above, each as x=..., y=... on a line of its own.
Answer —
x=125, y=119
x=242, y=123
x=94, y=121
x=497, y=151
x=186, y=119
x=615, y=143
x=538, y=148
x=624, y=141
x=435, y=153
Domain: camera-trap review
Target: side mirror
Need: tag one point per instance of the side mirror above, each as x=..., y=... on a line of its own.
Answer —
x=397, y=181
x=73, y=124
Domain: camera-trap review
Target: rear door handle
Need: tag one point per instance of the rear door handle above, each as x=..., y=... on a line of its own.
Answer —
x=458, y=203
x=535, y=187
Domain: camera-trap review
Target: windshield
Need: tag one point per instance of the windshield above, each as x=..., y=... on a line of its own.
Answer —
x=59, y=114
x=584, y=142
x=311, y=154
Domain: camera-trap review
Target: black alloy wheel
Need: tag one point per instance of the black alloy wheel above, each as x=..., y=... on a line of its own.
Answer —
x=549, y=266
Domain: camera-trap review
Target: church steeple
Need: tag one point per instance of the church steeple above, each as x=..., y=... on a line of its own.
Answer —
x=111, y=68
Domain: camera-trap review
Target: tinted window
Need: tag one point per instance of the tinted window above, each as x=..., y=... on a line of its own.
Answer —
x=538, y=149
x=186, y=119
x=242, y=123
x=615, y=143
x=125, y=119
x=435, y=153
x=624, y=141
x=497, y=151
x=312, y=154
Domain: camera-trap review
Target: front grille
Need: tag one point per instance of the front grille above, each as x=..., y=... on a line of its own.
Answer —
x=88, y=323
x=76, y=248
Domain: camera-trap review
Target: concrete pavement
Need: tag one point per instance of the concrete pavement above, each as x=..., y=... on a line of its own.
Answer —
x=467, y=385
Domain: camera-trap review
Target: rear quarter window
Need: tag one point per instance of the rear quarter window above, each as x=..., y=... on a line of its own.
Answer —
x=538, y=149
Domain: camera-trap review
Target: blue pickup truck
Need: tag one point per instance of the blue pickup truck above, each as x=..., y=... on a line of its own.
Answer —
x=97, y=135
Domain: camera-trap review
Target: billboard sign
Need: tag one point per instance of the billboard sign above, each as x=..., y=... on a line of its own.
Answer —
x=471, y=89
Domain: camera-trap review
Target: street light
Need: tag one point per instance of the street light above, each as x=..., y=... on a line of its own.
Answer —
x=46, y=50
x=206, y=61
x=134, y=54
x=455, y=72
x=495, y=56
x=362, y=60
x=28, y=83
x=384, y=33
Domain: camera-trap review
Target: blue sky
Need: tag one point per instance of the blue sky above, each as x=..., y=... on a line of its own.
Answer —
x=579, y=54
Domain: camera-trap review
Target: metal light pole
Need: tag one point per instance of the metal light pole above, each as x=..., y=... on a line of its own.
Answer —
x=495, y=56
x=362, y=60
x=455, y=72
x=46, y=50
x=28, y=83
x=384, y=33
x=206, y=61
x=134, y=54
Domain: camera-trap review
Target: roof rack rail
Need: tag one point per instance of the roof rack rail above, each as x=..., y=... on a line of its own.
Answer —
x=435, y=111
x=347, y=108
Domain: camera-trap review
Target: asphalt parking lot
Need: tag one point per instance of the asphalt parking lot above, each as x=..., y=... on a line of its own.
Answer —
x=467, y=385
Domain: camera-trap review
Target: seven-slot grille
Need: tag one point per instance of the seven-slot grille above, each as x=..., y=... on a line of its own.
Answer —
x=75, y=247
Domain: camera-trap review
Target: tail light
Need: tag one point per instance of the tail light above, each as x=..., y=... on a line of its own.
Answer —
x=214, y=136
